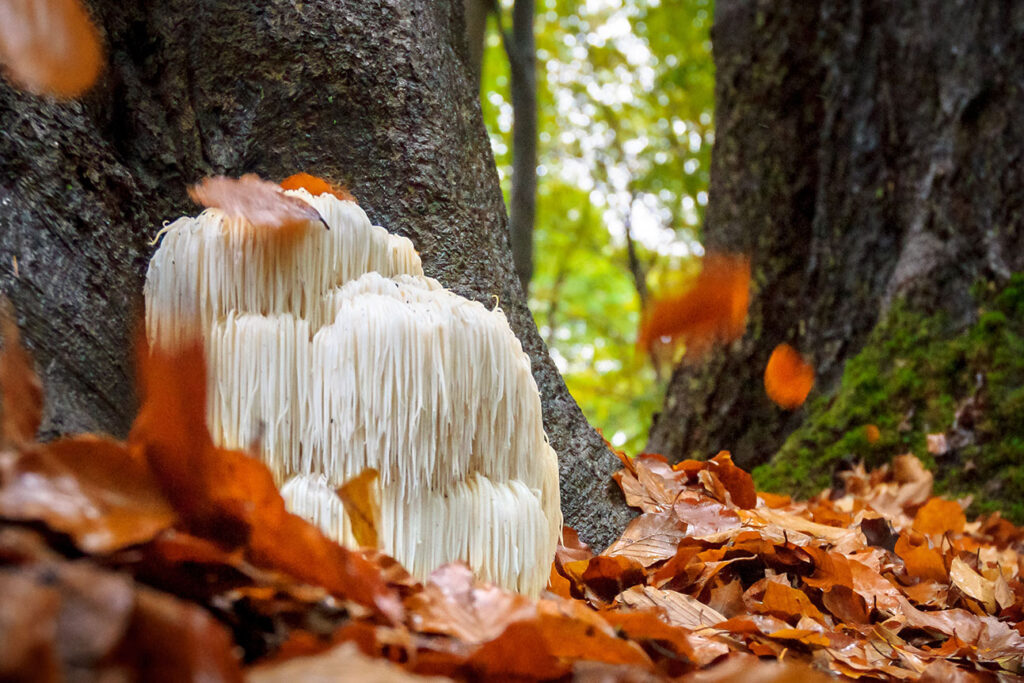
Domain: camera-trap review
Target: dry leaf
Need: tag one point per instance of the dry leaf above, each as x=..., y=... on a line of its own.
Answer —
x=316, y=186
x=939, y=516
x=713, y=310
x=262, y=203
x=88, y=487
x=49, y=47
x=360, y=498
x=679, y=609
x=788, y=378
x=973, y=584
x=21, y=393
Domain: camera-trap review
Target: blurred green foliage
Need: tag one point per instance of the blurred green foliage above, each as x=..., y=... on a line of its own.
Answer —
x=625, y=98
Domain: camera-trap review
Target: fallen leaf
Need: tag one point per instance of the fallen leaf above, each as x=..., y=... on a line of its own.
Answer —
x=937, y=444
x=973, y=584
x=21, y=393
x=341, y=664
x=263, y=204
x=788, y=378
x=679, y=609
x=736, y=482
x=713, y=310
x=49, y=47
x=921, y=561
x=88, y=487
x=940, y=516
x=360, y=498
x=316, y=186
x=649, y=538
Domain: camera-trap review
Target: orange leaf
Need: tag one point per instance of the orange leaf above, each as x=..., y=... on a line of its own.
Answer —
x=786, y=602
x=713, y=310
x=21, y=393
x=262, y=203
x=736, y=481
x=787, y=377
x=49, y=47
x=938, y=516
x=316, y=186
x=359, y=496
x=872, y=434
x=88, y=487
x=921, y=561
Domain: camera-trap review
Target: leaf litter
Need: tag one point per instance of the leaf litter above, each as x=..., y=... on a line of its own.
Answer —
x=167, y=558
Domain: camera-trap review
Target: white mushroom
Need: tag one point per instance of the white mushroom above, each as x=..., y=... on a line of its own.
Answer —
x=333, y=353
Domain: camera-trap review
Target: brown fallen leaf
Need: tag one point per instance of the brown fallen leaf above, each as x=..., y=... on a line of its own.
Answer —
x=91, y=488
x=49, y=47
x=973, y=584
x=939, y=516
x=679, y=609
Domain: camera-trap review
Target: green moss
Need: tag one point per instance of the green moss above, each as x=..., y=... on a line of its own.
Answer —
x=910, y=379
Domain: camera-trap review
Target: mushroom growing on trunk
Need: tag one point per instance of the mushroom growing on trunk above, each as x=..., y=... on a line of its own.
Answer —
x=330, y=352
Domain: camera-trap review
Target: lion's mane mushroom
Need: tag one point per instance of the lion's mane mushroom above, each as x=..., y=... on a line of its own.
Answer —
x=332, y=353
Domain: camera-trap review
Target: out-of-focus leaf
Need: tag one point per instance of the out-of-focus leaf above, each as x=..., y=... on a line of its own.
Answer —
x=940, y=516
x=788, y=378
x=341, y=664
x=453, y=603
x=49, y=47
x=713, y=310
x=316, y=186
x=359, y=496
x=88, y=487
x=260, y=202
x=21, y=393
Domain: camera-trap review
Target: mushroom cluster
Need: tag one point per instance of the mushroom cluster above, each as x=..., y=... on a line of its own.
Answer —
x=329, y=352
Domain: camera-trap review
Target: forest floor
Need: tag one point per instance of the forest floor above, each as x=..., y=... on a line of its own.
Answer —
x=166, y=558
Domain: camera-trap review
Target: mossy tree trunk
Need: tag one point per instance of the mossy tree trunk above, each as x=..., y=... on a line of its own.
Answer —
x=865, y=152
x=375, y=94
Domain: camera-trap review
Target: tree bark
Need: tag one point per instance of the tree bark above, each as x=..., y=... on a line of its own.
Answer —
x=523, y=85
x=376, y=94
x=865, y=151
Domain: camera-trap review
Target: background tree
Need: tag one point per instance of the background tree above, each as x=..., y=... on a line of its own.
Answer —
x=624, y=133
x=374, y=94
x=868, y=158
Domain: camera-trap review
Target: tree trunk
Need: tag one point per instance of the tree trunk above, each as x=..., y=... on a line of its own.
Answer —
x=865, y=152
x=376, y=94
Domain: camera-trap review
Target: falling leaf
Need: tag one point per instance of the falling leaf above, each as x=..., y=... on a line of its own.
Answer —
x=262, y=203
x=49, y=47
x=713, y=310
x=359, y=496
x=316, y=186
x=21, y=393
x=872, y=434
x=788, y=378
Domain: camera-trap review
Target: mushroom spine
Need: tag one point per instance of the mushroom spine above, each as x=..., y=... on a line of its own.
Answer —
x=332, y=352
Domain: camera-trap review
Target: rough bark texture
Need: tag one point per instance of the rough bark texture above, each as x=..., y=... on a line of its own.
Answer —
x=372, y=93
x=864, y=151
